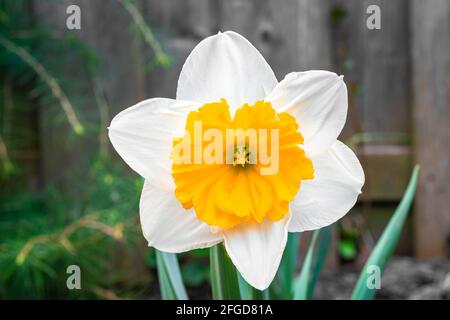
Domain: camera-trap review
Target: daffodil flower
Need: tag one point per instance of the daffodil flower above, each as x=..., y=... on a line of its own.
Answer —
x=226, y=84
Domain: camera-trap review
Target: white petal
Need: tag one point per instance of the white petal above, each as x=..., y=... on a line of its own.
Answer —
x=143, y=136
x=318, y=100
x=256, y=250
x=334, y=190
x=225, y=66
x=169, y=227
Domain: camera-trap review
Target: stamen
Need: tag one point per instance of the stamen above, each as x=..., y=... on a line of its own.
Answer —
x=241, y=156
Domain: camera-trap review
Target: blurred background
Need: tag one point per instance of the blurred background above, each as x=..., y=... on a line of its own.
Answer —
x=67, y=198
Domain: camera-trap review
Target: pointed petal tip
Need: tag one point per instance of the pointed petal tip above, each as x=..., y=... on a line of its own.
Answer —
x=262, y=287
x=258, y=262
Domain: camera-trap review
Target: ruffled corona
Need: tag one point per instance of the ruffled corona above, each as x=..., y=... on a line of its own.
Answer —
x=239, y=170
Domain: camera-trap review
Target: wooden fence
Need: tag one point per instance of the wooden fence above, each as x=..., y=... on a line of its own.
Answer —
x=398, y=79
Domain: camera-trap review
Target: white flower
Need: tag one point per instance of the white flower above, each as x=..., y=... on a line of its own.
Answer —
x=251, y=214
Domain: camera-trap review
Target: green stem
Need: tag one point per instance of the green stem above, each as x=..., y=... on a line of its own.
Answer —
x=169, y=275
x=166, y=290
x=259, y=295
x=302, y=282
x=224, y=280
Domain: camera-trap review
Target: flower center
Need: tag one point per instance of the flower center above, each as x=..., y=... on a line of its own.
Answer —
x=241, y=156
x=208, y=163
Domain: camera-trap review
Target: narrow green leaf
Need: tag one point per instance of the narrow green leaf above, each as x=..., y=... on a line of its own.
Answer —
x=319, y=257
x=275, y=291
x=170, y=271
x=174, y=274
x=260, y=295
x=224, y=280
x=266, y=294
x=164, y=284
x=302, y=282
x=245, y=289
x=287, y=266
x=387, y=242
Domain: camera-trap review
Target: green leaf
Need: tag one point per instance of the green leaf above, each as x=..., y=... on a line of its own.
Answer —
x=164, y=283
x=169, y=276
x=287, y=266
x=302, y=282
x=314, y=261
x=260, y=295
x=388, y=240
x=224, y=280
x=245, y=290
x=320, y=255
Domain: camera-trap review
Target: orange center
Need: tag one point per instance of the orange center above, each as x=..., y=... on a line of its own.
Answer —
x=231, y=179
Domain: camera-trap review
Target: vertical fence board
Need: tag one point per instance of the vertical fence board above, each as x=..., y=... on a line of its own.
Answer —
x=293, y=36
x=121, y=82
x=314, y=35
x=430, y=26
x=375, y=63
x=179, y=26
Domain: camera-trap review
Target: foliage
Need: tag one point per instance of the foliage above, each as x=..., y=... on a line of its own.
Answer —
x=89, y=217
x=387, y=242
x=41, y=237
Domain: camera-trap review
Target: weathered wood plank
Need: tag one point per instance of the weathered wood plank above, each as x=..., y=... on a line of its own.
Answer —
x=105, y=29
x=387, y=169
x=430, y=27
x=179, y=26
x=108, y=30
x=293, y=36
x=375, y=64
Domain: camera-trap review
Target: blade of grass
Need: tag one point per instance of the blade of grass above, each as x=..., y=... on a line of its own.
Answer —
x=4, y=158
x=161, y=57
x=388, y=241
x=302, y=282
x=224, y=279
x=169, y=263
x=50, y=81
